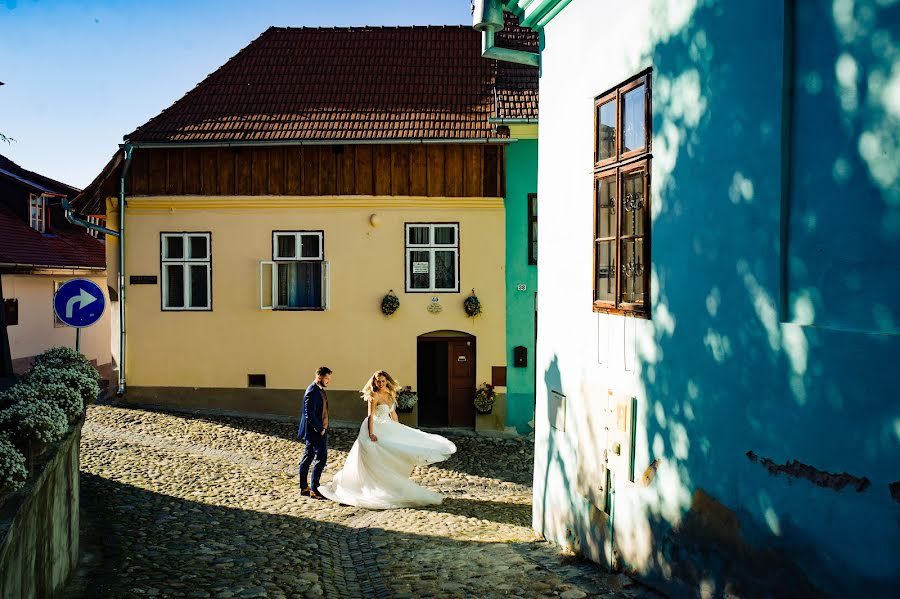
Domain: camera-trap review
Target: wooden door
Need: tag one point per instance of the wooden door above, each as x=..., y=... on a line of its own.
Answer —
x=461, y=380
x=433, y=385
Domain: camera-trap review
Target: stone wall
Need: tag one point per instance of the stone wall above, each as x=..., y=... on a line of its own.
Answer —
x=39, y=525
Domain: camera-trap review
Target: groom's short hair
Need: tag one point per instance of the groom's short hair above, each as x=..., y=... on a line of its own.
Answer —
x=323, y=371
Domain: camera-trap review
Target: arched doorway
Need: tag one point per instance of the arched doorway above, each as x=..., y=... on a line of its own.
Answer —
x=446, y=376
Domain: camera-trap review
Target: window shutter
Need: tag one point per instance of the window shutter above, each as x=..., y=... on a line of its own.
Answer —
x=266, y=285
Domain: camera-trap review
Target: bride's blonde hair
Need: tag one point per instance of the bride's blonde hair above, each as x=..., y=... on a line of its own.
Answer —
x=392, y=386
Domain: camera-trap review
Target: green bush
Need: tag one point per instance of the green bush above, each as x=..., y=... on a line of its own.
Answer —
x=12, y=467
x=34, y=423
x=66, y=357
x=85, y=385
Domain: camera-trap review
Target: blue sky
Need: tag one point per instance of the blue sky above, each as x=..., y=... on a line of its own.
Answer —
x=79, y=75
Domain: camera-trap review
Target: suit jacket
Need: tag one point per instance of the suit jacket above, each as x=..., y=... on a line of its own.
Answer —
x=311, y=425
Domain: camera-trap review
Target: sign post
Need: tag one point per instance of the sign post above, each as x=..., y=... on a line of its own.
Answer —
x=79, y=303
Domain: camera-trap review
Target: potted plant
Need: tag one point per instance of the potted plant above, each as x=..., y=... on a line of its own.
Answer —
x=472, y=305
x=406, y=400
x=484, y=398
x=389, y=303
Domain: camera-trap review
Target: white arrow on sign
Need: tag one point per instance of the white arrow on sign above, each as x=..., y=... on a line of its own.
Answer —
x=83, y=299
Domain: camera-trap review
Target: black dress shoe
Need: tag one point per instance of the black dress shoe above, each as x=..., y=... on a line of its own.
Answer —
x=305, y=491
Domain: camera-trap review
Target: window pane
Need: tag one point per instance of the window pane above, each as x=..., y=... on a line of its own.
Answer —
x=309, y=246
x=419, y=236
x=534, y=206
x=299, y=285
x=444, y=270
x=534, y=234
x=198, y=247
x=199, y=295
x=606, y=272
x=287, y=246
x=633, y=203
x=606, y=130
x=419, y=270
x=633, y=119
x=173, y=248
x=174, y=285
x=445, y=235
x=633, y=271
x=606, y=207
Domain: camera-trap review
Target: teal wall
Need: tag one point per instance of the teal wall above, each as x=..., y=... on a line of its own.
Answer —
x=766, y=380
x=521, y=180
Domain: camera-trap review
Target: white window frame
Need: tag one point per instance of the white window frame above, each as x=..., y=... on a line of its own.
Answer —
x=39, y=222
x=100, y=221
x=431, y=248
x=270, y=268
x=298, y=235
x=187, y=263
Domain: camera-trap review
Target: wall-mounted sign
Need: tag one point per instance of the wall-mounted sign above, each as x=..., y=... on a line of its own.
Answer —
x=420, y=268
x=521, y=287
x=434, y=308
x=142, y=279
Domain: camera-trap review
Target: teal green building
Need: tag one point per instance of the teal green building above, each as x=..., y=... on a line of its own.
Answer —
x=521, y=278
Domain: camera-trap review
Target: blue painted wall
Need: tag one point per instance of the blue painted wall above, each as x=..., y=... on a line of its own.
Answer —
x=521, y=180
x=775, y=283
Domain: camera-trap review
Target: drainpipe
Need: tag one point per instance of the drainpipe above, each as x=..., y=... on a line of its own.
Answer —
x=127, y=147
x=70, y=216
x=487, y=17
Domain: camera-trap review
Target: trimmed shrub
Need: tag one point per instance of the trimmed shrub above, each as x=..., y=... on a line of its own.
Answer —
x=85, y=385
x=66, y=357
x=12, y=467
x=34, y=423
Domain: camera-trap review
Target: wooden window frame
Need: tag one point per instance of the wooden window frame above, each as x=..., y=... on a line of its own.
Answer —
x=532, y=233
x=431, y=248
x=619, y=166
x=186, y=262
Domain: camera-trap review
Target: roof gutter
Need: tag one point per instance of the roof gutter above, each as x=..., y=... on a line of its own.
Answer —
x=128, y=149
x=70, y=216
x=310, y=142
x=487, y=17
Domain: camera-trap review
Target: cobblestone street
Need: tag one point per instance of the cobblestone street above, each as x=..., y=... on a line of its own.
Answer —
x=187, y=506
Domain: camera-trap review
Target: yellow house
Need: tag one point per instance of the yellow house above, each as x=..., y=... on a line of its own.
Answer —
x=269, y=211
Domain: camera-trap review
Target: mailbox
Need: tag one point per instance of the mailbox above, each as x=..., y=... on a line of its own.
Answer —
x=520, y=356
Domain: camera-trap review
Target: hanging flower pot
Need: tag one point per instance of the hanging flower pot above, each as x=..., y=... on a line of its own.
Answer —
x=389, y=303
x=484, y=398
x=472, y=305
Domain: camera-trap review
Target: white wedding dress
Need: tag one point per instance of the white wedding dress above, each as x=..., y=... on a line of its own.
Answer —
x=376, y=473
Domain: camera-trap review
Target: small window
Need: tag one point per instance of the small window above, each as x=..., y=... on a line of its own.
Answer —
x=100, y=221
x=256, y=380
x=298, y=274
x=37, y=212
x=186, y=271
x=532, y=228
x=432, y=257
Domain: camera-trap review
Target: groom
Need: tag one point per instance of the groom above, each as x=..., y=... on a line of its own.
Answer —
x=314, y=431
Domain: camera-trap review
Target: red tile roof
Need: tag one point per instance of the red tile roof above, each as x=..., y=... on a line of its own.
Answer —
x=357, y=83
x=64, y=245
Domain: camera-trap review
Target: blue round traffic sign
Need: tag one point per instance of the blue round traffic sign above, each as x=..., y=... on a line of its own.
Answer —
x=79, y=303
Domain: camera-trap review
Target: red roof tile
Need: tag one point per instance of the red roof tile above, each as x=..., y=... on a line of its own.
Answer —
x=65, y=244
x=358, y=83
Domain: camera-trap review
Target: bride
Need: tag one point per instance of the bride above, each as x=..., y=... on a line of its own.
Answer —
x=376, y=473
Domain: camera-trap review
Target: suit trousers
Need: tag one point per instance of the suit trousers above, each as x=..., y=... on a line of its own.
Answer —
x=316, y=447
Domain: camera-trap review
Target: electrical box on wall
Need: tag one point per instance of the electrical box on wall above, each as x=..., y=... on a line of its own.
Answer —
x=11, y=311
x=520, y=356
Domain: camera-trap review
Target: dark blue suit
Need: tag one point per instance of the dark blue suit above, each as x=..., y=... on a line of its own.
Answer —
x=312, y=430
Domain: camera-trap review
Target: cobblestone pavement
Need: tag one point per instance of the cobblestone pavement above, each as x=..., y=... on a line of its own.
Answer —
x=179, y=505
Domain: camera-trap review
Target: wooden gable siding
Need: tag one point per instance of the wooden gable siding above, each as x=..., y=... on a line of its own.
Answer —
x=435, y=170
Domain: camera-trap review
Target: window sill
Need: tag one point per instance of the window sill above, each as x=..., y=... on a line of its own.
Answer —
x=621, y=312
x=432, y=291
x=298, y=309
